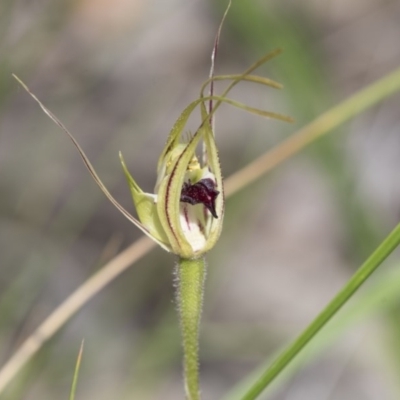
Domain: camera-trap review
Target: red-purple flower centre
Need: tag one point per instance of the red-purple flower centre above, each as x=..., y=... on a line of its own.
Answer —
x=203, y=192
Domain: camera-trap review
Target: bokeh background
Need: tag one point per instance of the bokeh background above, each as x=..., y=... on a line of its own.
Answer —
x=118, y=73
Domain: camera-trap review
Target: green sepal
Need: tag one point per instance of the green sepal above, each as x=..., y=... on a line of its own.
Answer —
x=215, y=224
x=175, y=134
x=146, y=208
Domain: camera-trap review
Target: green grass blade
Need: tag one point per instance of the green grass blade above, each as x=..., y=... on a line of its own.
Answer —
x=362, y=274
x=76, y=373
x=379, y=297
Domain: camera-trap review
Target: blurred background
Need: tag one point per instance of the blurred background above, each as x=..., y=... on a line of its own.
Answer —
x=118, y=73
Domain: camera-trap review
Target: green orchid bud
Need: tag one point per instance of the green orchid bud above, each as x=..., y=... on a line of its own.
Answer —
x=186, y=211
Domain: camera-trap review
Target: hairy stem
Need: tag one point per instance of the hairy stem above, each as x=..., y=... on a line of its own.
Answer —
x=190, y=278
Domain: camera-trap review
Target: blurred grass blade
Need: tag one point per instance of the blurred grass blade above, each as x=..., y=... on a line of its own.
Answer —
x=362, y=274
x=76, y=372
x=70, y=307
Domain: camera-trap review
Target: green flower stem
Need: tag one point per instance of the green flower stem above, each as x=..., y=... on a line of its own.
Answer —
x=190, y=277
x=362, y=274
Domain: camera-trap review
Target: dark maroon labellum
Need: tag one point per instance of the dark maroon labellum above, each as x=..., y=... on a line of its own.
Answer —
x=203, y=192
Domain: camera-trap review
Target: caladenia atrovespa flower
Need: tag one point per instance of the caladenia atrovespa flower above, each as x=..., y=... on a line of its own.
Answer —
x=185, y=213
